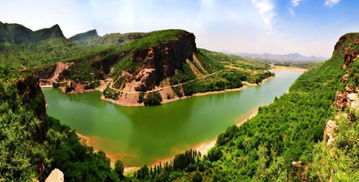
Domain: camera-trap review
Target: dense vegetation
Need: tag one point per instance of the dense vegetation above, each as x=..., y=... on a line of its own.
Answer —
x=32, y=144
x=152, y=99
x=222, y=72
x=262, y=149
x=290, y=129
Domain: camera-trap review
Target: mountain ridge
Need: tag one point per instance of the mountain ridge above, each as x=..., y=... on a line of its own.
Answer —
x=291, y=57
x=18, y=34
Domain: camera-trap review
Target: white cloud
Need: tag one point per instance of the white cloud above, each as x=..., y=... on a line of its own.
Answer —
x=295, y=3
x=236, y=25
x=266, y=10
x=331, y=3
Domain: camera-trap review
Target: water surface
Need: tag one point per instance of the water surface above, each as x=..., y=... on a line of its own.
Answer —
x=143, y=134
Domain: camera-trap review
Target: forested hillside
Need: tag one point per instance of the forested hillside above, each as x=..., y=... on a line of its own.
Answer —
x=32, y=143
x=284, y=142
x=309, y=134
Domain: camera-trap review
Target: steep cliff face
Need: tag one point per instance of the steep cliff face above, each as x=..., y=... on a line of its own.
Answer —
x=32, y=97
x=140, y=66
x=158, y=62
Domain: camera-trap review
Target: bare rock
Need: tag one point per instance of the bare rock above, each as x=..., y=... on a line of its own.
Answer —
x=341, y=100
x=55, y=176
x=352, y=96
x=329, y=132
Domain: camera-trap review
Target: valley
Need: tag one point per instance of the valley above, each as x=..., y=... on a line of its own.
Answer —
x=152, y=133
x=67, y=104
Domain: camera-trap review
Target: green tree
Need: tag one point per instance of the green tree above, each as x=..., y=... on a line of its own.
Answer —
x=143, y=172
x=119, y=169
x=197, y=177
x=214, y=154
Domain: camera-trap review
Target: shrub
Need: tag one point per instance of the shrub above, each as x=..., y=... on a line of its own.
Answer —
x=143, y=172
x=177, y=91
x=197, y=177
x=214, y=154
x=92, y=85
x=119, y=168
x=153, y=99
x=141, y=97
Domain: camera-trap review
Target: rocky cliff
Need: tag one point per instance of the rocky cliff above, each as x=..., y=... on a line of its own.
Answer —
x=158, y=62
x=31, y=96
x=138, y=68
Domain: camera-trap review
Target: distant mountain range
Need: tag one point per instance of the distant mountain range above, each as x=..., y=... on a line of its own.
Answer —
x=293, y=57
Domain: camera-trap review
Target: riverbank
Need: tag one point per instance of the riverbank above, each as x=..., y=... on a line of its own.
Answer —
x=130, y=99
x=133, y=97
x=287, y=68
x=237, y=103
x=202, y=147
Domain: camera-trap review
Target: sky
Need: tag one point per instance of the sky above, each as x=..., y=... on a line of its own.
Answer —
x=308, y=27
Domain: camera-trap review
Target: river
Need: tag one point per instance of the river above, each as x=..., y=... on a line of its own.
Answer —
x=142, y=135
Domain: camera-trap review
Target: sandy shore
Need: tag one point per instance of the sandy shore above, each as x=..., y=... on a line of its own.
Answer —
x=287, y=68
x=46, y=86
x=202, y=147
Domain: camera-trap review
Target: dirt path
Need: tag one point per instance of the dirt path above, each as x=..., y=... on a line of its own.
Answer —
x=159, y=89
x=60, y=67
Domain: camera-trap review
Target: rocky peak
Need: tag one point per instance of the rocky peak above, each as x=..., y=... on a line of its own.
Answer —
x=91, y=33
x=46, y=33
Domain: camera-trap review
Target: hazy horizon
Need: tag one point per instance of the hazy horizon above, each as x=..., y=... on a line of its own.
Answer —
x=246, y=26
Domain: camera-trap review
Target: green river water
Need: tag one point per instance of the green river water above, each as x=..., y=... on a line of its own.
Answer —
x=141, y=135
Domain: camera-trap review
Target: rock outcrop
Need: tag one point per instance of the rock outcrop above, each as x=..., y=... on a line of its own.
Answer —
x=160, y=61
x=55, y=176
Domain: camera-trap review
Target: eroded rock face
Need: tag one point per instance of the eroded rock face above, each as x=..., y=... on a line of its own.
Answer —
x=144, y=79
x=55, y=176
x=341, y=100
x=161, y=61
x=350, y=57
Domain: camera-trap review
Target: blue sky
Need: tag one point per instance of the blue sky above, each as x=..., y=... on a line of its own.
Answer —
x=309, y=27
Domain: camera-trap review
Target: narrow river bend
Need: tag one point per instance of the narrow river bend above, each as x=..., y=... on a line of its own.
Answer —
x=141, y=135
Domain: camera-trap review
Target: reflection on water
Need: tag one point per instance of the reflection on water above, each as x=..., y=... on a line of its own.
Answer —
x=154, y=132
